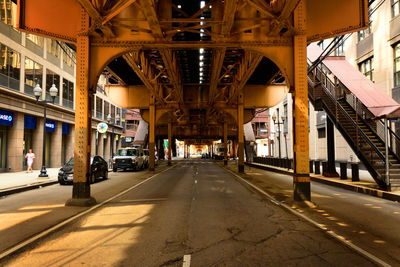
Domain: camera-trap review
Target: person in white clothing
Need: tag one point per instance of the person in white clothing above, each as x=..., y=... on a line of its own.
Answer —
x=29, y=159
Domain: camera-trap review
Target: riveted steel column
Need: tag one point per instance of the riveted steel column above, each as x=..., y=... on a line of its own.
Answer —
x=169, y=142
x=152, y=121
x=225, y=143
x=240, y=133
x=301, y=178
x=83, y=120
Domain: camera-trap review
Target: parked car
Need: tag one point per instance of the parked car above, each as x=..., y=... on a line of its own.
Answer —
x=146, y=158
x=98, y=166
x=129, y=158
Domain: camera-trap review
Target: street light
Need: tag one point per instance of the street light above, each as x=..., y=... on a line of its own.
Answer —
x=37, y=91
x=109, y=119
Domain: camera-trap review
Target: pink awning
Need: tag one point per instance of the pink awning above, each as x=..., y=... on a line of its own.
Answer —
x=378, y=102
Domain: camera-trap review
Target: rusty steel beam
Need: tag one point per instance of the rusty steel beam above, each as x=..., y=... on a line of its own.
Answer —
x=248, y=65
x=168, y=57
x=228, y=19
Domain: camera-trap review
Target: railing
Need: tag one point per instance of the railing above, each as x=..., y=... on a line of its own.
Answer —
x=9, y=82
x=331, y=92
x=68, y=103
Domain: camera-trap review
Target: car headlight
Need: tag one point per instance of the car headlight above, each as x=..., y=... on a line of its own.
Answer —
x=60, y=172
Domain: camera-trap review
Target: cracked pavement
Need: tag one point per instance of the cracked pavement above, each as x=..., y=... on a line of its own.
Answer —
x=198, y=209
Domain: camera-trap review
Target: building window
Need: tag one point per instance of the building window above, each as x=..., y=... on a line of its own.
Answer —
x=33, y=75
x=366, y=68
x=53, y=48
x=339, y=51
x=106, y=109
x=321, y=133
x=35, y=39
x=99, y=108
x=395, y=8
x=397, y=65
x=8, y=12
x=68, y=94
x=113, y=113
x=132, y=124
x=52, y=78
x=365, y=33
x=68, y=56
x=10, y=67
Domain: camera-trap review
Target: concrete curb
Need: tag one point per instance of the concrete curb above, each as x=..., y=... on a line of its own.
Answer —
x=23, y=188
x=355, y=188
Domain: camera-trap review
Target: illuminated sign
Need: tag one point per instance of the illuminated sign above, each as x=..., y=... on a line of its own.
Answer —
x=102, y=127
x=50, y=125
x=6, y=117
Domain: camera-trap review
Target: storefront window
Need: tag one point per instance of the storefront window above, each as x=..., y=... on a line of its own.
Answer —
x=33, y=75
x=395, y=8
x=10, y=67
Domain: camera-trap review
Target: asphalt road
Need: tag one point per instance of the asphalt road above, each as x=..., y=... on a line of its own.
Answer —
x=196, y=212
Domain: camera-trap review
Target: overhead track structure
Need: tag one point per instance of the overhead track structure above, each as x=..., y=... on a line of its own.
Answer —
x=193, y=67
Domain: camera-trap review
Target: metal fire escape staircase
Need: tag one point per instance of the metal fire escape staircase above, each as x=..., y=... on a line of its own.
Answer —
x=358, y=124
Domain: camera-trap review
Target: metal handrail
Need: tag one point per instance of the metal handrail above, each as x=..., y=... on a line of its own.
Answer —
x=379, y=153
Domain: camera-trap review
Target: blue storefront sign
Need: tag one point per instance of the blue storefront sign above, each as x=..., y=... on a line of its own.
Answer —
x=65, y=128
x=50, y=125
x=6, y=117
x=30, y=122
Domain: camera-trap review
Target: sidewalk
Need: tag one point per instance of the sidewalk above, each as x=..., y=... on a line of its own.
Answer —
x=14, y=182
x=366, y=185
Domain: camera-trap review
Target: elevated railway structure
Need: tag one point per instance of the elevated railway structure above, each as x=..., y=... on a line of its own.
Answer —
x=195, y=69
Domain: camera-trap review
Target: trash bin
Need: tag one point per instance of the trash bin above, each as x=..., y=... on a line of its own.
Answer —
x=355, y=177
x=316, y=165
x=343, y=170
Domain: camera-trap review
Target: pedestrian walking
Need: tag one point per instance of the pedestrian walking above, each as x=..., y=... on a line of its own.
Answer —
x=29, y=159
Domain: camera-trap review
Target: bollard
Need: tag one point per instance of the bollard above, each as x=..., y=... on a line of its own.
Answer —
x=324, y=167
x=355, y=177
x=311, y=166
x=343, y=170
x=317, y=169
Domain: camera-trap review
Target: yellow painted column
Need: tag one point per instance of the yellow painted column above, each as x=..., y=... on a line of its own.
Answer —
x=169, y=142
x=301, y=178
x=83, y=120
x=240, y=133
x=225, y=143
x=152, y=121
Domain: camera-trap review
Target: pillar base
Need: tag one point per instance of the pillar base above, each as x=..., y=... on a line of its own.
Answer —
x=81, y=202
x=151, y=169
x=301, y=187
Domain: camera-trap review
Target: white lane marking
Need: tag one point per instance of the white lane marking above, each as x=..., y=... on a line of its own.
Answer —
x=331, y=233
x=186, y=261
x=61, y=224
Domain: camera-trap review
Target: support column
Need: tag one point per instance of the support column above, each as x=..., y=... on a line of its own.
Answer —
x=15, y=155
x=301, y=178
x=93, y=143
x=331, y=168
x=152, y=121
x=240, y=133
x=83, y=121
x=56, y=146
x=169, y=143
x=225, y=143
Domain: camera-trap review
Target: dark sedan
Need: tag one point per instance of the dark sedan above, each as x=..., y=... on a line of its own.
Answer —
x=99, y=168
